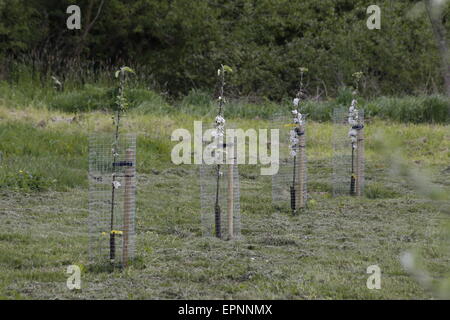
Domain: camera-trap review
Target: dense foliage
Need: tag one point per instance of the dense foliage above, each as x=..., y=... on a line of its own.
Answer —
x=182, y=42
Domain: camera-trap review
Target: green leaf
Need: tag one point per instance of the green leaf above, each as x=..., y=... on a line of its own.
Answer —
x=227, y=69
x=127, y=69
x=123, y=70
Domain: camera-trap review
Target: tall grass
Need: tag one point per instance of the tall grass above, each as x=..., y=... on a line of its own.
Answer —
x=409, y=109
x=89, y=86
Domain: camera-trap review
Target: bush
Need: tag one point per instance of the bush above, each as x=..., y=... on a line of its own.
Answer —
x=379, y=191
x=197, y=102
x=89, y=99
x=52, y=158
x=24, y=180
x=143, y=101
x=265, y=41
x=429, y=109
x=92, y=98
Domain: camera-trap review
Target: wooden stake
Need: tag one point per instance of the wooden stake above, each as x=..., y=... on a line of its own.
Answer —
x=230, y=200
x=300, y=171
x=217, y=213
x=359, y=161
x=128, y=204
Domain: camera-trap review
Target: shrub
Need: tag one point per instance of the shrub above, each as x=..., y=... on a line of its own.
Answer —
x=89, y=99
x=24, y=180
x=92, y=98
x=430, y=109
x=379, y=191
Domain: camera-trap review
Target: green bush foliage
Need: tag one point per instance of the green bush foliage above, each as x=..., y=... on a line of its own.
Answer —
x=178, y=44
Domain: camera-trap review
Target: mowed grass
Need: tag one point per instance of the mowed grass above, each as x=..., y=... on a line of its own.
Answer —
x=322, y=253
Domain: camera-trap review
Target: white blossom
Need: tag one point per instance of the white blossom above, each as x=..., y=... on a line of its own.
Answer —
x=353, y=118
x=293, y=134
x=114, y=152
x=300, y=119
x=296, y=102
x=116, y=184
x=220, y=120
x=217, y=133
x=293, y=139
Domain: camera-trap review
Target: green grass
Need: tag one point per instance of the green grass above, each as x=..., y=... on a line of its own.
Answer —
x=322, y=253
x=408, y=109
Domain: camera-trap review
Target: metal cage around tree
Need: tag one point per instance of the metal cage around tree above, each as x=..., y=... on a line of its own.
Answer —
x=289, y=184
x=220, y=197
x=112, y=194
x=348, y=158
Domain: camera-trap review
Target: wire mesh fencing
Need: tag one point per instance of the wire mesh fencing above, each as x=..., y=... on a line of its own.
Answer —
x=348, y=158
x=289, y=184
x=112, y=198
x=220, y=196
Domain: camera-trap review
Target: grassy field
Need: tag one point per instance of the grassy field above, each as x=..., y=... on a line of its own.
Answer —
x=322, y=253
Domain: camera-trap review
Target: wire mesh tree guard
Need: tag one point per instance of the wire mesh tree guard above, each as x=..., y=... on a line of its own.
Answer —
x=348, y=152
x=219, y=178
x=289, y=184
x=291, y=180
x=220, y=200
x=112, y=198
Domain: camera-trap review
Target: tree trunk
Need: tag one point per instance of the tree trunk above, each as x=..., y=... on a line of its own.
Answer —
x=89, y=24
x=435, y=14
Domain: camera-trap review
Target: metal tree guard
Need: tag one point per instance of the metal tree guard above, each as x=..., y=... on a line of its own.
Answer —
x=220, y=180
x=220, y=201
x=112, y=194
x=348, y=152
x=289, y=184
x=292, y=170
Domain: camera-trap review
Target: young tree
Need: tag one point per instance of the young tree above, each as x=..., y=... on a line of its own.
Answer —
x=435, y=9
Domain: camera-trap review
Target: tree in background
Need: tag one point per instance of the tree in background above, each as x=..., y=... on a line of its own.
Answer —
x=435, y=11
x=267, y=40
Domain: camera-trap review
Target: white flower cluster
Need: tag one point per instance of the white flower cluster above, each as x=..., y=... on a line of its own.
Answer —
x=116, y=184
x=114, y=152
x=294, y=133
x=298, y=117
x=353, y=121
x=218, y=134
x=220, y=127
x=293, y=139
x=353, y=114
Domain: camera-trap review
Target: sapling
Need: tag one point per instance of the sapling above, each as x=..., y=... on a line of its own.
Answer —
x=121, y=107
x=57, y=85
x=356, y=126
x=295, y=146
x=219, y=133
